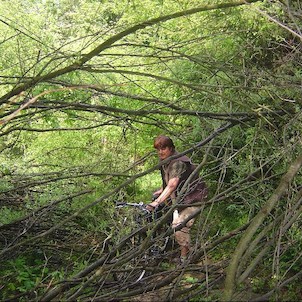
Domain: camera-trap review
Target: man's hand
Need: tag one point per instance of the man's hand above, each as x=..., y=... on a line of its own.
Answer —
x=152, y=206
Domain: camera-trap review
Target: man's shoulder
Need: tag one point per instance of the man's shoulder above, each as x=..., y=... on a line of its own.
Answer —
x=178, y=163
x=178, y=167
x=184, y=158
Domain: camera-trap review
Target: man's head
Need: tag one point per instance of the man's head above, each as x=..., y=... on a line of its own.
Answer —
x=165, y=146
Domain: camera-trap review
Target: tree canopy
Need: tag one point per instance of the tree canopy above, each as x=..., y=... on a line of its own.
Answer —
x=86, y=85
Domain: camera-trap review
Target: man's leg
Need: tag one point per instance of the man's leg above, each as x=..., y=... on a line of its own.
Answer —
x=182, y=236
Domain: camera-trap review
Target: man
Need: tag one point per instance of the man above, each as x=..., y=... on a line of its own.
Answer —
x=174, y=174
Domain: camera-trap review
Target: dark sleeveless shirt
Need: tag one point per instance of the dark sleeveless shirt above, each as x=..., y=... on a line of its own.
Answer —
x=196, y=190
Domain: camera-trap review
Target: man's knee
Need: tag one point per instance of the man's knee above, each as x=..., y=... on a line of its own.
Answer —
x=182, y=237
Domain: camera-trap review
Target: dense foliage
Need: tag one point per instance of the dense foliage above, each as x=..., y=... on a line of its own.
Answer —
x=86, y=85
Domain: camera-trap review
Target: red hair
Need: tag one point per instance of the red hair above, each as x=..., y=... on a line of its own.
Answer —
x=162, y=142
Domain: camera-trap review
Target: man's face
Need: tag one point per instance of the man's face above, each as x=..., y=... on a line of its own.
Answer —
x=164, y=152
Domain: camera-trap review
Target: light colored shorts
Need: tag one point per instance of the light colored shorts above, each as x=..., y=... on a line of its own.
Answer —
x=182, y=236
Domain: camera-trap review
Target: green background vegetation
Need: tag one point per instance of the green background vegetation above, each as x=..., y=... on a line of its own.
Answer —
x=94, y=99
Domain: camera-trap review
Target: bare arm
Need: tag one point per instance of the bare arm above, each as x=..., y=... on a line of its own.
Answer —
x=169, y=189
x=158, y=192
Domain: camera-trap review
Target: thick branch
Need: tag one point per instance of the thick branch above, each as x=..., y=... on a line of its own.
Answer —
x=252, y=229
